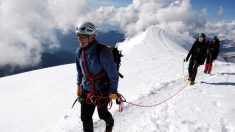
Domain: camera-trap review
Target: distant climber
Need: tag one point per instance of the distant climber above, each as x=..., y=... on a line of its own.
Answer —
x=213, y=48
x=197, y=55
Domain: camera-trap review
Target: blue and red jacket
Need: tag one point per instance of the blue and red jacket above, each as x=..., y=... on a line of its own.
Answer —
x=96, y=63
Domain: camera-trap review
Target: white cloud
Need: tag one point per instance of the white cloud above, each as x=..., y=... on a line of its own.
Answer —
x=66, y=13
x=222, y=29
x=205, y=11
x=143, y=13
x=220, y=12
x=28, y=24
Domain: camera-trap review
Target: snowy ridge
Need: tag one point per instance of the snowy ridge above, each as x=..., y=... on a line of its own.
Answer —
x=153, y=71
x=152, y=62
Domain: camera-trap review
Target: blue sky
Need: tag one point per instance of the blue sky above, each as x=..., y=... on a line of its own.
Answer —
x=198, y=5
x=213, y=5
x=117, y=3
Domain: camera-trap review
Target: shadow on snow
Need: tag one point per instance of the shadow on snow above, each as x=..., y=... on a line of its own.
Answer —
x=220, y=83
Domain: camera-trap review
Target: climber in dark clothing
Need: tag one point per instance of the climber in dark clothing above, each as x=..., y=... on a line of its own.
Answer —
x=213, y=48
x=197, y=56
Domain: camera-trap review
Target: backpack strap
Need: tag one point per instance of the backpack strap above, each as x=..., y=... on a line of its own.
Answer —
x=98, y=50
x=90, y=76
x=117, y=60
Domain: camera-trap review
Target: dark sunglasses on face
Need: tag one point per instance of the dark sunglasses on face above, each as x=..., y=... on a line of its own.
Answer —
x=82, y=36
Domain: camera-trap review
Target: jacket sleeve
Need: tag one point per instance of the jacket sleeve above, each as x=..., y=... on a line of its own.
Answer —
x=108, y=64
x=190, y=52
x=79, y=70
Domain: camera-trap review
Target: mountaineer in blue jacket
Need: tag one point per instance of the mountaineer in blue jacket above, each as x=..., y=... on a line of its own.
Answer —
x=97, y=77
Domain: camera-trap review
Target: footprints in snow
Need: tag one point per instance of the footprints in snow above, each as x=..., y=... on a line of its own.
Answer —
x=217, y=103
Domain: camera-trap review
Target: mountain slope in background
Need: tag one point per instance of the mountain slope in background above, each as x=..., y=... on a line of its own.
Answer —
x=47, y=60
x=153, y=68
x=64, y=54
x=70, y=43
x=228, y=49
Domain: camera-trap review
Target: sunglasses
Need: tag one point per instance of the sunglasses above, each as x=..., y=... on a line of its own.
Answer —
x=82, y=36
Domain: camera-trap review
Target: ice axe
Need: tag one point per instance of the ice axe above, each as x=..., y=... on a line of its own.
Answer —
x=78, y=99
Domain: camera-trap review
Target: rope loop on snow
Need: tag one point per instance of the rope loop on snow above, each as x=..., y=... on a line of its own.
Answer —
x=153, y=105
x=122, y=99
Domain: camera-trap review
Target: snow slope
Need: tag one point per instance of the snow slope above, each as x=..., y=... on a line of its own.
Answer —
x=37, y=100
x=153, y=69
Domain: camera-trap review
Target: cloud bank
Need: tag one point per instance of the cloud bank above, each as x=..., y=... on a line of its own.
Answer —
x=220, y=13
x=177, y=16
x=222, y=29
x=26, y=26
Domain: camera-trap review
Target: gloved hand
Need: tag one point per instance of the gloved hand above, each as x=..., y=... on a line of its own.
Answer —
x=113, y=95
x=78, y=90
x=186, y=59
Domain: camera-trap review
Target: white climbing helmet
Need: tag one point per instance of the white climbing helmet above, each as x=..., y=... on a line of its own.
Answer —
x=86, y=28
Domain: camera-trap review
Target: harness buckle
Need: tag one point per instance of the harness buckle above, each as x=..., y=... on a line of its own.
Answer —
x=93, y=99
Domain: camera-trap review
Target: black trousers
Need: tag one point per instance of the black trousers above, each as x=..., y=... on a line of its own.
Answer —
x=209, y=59
x=192, y=69
x=87, y=111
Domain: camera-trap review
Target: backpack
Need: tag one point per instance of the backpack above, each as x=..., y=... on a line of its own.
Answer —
x=117, y=54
